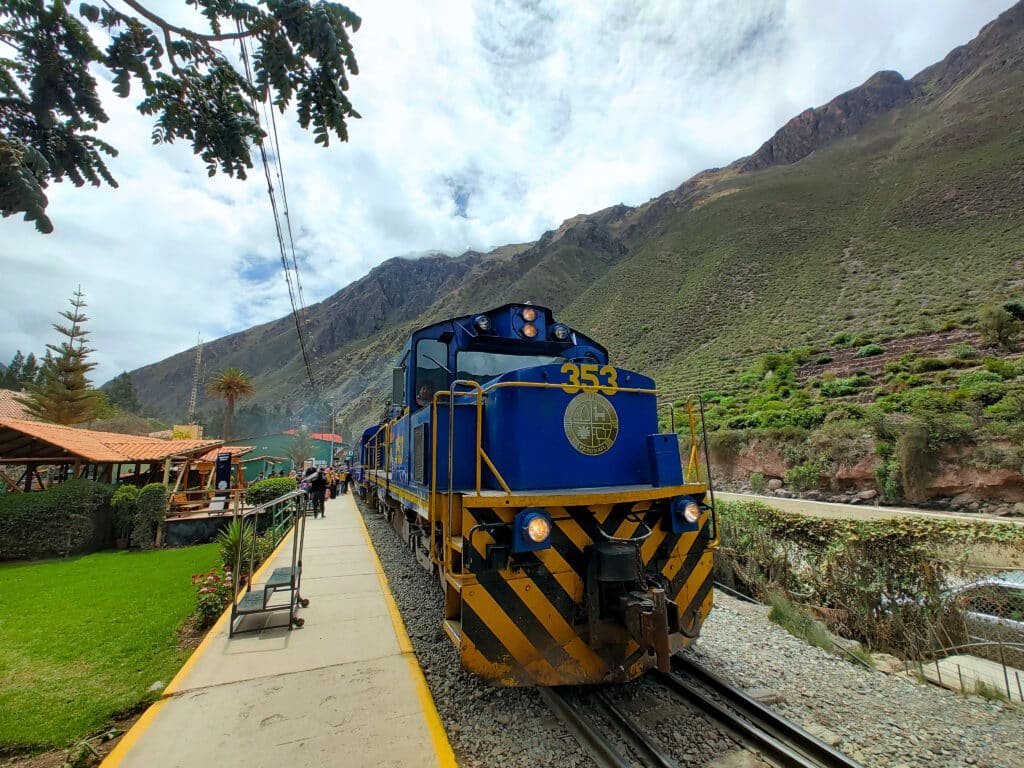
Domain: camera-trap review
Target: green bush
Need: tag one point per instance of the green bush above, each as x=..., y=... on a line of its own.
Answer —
x=150, y=510
x=926, y=364
x=870, y=350
x=71, y=518
x=267, y=490
x=804, y=477
x=237, y=536
x=1004, y=368
x=758, y=483
x=887, y=476
x=823, y=360
x=845, y=386
x=125, y=504
x=841, y=339
x=963, y=351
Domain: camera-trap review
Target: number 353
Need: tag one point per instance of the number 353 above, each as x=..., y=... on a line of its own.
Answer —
x=587, y=377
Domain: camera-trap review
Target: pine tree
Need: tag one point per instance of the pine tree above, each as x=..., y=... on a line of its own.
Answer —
x=12, y=376
x=121, y=393
x=29, y=371
x=62, y=394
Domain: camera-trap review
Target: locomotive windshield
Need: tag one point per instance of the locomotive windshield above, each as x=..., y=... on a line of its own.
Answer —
x=481, y=367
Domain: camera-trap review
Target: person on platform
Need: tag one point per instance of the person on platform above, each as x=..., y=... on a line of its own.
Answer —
x=318, y=489
x=335, y=478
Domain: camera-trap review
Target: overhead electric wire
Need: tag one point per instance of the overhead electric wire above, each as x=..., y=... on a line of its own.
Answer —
x=296, y=303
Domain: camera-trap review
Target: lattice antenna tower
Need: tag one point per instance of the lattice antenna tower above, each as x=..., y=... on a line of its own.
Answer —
x=194, y=394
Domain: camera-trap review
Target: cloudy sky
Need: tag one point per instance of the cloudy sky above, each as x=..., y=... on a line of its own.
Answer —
x=484, y=123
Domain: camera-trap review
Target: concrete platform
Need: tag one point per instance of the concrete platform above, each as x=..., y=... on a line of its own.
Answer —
x=345, y=689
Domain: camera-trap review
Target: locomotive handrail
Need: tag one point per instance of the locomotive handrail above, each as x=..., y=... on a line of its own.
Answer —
x=608, y=390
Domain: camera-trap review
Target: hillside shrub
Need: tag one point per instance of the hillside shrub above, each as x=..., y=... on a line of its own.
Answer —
x=844, y=386
x=964, y=351
x=267, y=490
x=926, y=364
x=150, y=510
x=998, y=326
x=124, y=502
x=823, y=360
x=916, y=459
x=870, y=350
x=887, y=478
x=71, y=518
x=1003, y=368
x=984, y=387
x=842, y=339
x=861, y=339
x=804, y=477
x=758, y=483
x=727, y=443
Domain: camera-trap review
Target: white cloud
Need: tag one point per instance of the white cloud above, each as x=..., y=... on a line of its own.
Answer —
x=484, y=123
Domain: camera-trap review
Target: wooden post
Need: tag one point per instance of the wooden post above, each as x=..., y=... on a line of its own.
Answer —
x=29, y=471
x=167, y=471
x=138, y=472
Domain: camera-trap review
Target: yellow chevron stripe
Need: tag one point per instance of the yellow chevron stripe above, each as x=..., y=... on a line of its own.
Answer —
x=564, y=574
x=535, y=599
x=511, y=636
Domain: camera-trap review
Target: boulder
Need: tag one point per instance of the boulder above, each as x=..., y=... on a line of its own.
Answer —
x=1018, y=509
x=867, y=495
x=888, y=664
x=774, y=484
x=766, y=695
x=823, y=733
x=961, y=500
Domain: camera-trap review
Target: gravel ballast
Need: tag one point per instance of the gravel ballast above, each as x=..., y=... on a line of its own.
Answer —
x=882, y=720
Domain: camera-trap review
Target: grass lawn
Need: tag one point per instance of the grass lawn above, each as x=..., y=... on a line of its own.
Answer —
x=82, y=639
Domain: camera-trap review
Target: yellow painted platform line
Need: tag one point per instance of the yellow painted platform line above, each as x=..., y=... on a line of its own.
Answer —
x=118, y=753
x=443, y=748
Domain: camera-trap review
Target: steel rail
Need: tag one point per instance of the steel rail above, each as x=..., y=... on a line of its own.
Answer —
x=604, y=754
x=650, y=753
x=784, y=741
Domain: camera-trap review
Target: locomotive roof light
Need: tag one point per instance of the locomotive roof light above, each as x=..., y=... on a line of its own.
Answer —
x=482, y=322
x=560, y=331
x=685, y=514
x=531, y=530
x=529, y=330
x=529, y=314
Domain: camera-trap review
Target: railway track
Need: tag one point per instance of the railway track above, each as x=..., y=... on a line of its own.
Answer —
x=614, y=740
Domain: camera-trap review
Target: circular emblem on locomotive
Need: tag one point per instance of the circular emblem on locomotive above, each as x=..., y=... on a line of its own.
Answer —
x=591, y=423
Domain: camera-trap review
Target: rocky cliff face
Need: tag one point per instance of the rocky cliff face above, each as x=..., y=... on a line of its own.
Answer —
x=845, y=114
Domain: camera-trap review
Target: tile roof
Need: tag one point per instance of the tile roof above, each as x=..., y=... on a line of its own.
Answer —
x=10, y=408
x=234, y=450
x=20, y=438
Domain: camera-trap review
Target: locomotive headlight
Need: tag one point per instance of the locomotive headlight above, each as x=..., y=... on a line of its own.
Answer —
x=482, y=322
x=538, y=529
x=529, y=314
x=691, y=511
x=531, y=530
x=685, y=514
x=529, y=330
x=560, y=332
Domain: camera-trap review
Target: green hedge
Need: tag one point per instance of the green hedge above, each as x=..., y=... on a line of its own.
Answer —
x=71, y=518
x=150, y=510
x=269, y=489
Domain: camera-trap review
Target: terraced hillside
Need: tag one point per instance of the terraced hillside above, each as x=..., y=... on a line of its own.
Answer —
x=897, y=208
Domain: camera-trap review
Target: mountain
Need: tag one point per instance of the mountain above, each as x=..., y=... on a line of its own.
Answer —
x=897, y=207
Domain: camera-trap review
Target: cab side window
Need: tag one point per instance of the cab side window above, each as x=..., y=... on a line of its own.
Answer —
x=431, y=370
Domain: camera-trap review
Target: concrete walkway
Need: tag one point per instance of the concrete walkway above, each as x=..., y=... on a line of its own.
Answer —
x=344, y=690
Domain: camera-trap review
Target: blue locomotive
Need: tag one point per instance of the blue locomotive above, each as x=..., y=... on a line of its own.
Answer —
x=528, y=474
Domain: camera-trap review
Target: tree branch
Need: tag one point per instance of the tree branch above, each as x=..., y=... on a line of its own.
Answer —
x=167, y=27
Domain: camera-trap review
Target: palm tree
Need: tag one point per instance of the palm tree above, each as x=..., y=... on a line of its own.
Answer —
x=231, y=384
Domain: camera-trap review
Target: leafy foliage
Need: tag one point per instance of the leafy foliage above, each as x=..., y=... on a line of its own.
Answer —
x=213, y=594
x=121, y=393
x=125, y=503
x=884, y=580
x=20, y=371
x=62, y=394
x=50, y=110
x=150, y=510
x=69, y=518
x=231, y=384
x=267, y=490
x=998, y=326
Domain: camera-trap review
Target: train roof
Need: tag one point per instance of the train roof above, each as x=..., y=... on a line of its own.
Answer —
x=465, y=323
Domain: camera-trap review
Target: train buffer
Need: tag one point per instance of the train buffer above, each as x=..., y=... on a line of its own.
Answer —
x=344, y=689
